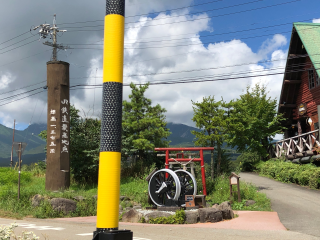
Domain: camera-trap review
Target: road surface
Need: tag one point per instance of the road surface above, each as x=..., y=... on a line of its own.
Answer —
x=298, y=207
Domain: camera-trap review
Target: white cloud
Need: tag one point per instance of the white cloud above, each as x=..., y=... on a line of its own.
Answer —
x=5, y=80
x=316, y=20
x=147, y=52
x=188, y=54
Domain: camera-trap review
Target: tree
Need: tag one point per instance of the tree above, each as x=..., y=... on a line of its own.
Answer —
x=253, y=121
x=209, y=117
x=84, y=147
x=143, y=126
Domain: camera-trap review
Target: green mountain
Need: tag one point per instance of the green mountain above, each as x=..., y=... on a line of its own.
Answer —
x=35, y=145
x=181, y=137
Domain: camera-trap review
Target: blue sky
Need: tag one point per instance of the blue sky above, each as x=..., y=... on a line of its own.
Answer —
x=206, y=41
x=289, y=12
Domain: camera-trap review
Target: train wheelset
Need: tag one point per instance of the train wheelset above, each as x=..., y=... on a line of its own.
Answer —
x=169, y=188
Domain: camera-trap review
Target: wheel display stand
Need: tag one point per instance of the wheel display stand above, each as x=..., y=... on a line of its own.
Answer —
x=171, y=189
x=182, y=160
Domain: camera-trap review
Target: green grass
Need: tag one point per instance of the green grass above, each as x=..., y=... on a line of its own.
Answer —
x=136, y=188
x=221, y=193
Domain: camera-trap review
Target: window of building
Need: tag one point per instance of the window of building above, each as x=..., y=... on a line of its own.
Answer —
x=311, y=78
x=317, y=78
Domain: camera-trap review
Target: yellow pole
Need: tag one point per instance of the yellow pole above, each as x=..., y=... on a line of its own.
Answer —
x=110, y=143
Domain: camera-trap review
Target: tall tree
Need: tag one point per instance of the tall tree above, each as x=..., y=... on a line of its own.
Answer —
x=253, y=121
x=209, y=117
x=143, y=125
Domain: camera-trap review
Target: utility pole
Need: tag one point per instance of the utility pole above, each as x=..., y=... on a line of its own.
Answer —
x=110, y=143
x=58, y=115
x=14, y=126
x=19, y=170
x=19, y=147
x=47, y=30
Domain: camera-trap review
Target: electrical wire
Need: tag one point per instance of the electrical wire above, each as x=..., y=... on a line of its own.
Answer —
x=170, y=17
x=24, y=58
x=14, y=38
x=18, y=47
x=194, y=80
x=148, y=13
x=6, y=98
x=211, y=68
x=20, y=98
x=192, y=44
x=16, y=42
x=200, y=18
x=22, y=88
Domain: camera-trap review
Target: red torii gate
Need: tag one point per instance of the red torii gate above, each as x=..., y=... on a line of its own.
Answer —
x=182, y=159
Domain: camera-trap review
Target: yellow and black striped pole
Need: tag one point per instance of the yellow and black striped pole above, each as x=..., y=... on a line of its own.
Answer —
x=110, y=144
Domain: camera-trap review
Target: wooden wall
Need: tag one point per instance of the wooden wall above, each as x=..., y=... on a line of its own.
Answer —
x=309, y=96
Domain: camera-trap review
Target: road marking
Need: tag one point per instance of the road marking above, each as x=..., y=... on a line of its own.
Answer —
x=85, y=234
x=28, y=225
x=90, y=234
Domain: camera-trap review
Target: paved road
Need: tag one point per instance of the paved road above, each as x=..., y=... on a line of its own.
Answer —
x=298, y=207
x=58, y=230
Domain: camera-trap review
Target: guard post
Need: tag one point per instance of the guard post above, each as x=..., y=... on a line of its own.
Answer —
x=110, y=143
x=234, y=180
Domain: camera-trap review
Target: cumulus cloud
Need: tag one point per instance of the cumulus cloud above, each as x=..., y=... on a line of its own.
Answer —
x=316, y=20
x=5, y=80
x=155, y=44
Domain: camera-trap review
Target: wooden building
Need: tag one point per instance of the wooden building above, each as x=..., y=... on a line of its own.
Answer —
x=300, y=94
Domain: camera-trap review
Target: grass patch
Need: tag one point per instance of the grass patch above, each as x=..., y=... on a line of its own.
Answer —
x=221, y=193
x=32, y=183
x=135, y=188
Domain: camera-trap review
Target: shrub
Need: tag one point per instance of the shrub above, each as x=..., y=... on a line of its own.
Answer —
x=305, y=175
x=178, y=218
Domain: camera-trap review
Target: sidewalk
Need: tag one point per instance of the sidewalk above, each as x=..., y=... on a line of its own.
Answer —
x=247, y=220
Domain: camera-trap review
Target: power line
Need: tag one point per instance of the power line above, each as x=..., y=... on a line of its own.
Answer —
x=225, y=74
x=19, y=94
x=190, y=80
x=170, y=17
x=193, y=81
x=21, y=98
x=18, y=46
x=201, y=43
x=148, y=13
x=22, y=88
x=221, y=15
x=14, y=38
x=212, y=68
x=24, y=58
x=16, y=42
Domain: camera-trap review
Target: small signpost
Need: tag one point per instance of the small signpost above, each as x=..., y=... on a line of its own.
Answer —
x=234, y=180
x=19, y=148
x=189, y=199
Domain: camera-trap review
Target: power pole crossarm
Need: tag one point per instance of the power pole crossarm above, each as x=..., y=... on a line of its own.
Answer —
x=45, y=31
